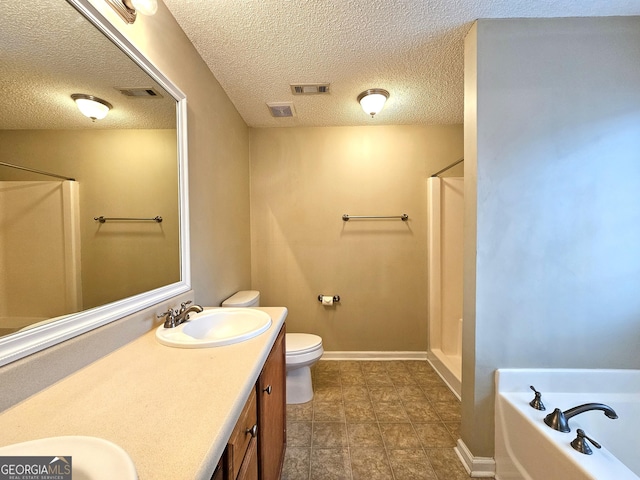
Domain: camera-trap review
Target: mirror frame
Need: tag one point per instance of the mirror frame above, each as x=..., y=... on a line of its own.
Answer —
x=26, y=342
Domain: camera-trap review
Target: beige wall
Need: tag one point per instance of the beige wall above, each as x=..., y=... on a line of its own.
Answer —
x=302, y=181
x=121, y=173
x=551, y=145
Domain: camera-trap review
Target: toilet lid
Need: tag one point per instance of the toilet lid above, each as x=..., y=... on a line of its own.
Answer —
x=243, y=298
x=298, y=343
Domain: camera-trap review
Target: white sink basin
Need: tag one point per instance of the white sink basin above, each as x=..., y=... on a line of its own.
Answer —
x=91, y=458
x=215, y=327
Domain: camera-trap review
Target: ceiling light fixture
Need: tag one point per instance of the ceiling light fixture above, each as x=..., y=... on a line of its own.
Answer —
x=93, y=107
x=373, y=100
x=127, y=8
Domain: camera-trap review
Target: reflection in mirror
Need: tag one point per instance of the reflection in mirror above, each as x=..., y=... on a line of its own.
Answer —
x=55, y=258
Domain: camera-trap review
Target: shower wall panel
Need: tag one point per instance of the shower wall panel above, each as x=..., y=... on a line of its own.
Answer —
x=445, y=245
x=39, y=249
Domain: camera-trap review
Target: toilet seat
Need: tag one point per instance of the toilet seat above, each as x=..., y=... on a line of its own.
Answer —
x=301, y=343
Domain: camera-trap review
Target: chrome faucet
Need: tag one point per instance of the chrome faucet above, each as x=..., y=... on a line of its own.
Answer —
x=559, y=420
x=173, y=318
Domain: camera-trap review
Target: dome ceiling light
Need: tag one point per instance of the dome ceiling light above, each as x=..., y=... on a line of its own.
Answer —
x=373, y=100
x=93, y=107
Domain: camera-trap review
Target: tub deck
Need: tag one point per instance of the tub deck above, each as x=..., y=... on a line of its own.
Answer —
x=526, y=448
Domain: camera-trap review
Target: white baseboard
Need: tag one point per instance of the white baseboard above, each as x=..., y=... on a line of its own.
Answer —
x=335, y=355
x=476, y=467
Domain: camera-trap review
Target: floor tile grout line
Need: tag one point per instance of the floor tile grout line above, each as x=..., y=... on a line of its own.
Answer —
x=346, y=429
x=422, y=446
x=313, y=413
x=423, y=389
x=393, y=473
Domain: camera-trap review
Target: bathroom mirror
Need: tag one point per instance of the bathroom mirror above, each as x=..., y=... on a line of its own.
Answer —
x=130, y=167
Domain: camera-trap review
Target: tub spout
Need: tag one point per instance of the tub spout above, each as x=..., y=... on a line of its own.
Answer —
x=608, y=411
x=559, y=420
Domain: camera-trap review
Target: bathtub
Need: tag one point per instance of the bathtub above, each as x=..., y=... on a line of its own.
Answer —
x=526, y=448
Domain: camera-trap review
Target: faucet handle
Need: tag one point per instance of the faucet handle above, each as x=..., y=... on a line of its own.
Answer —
x=170, y=318
x=580, y=443
x=183, y=305
x=537, y=401
x=169, y=312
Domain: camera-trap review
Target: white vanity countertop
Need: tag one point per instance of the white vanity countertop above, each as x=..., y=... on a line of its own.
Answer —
x=171, y=409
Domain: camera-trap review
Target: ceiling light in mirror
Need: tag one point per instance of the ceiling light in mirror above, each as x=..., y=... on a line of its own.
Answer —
x=127, y=9
x=145, y=7
x=93, y=107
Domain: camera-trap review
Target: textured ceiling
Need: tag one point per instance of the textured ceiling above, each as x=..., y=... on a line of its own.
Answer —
x=412, y=48
x=49, y=51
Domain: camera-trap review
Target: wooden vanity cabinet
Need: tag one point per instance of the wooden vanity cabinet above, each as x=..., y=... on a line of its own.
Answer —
x=240, y=458
x=255, y=450
x=271, y=395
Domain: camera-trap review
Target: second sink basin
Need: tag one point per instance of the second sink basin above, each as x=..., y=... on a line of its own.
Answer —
x=215, y=327
x=92, y=458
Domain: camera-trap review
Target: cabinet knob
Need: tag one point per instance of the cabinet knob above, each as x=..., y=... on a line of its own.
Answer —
x=252, y=431
x=268, y=389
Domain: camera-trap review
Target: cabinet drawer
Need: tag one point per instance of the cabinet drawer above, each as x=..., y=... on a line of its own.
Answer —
x=242, y=434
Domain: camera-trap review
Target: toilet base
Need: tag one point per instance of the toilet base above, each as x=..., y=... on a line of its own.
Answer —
x=299, y=388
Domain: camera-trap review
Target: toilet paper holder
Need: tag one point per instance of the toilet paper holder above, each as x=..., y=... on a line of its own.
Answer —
x=336, y=298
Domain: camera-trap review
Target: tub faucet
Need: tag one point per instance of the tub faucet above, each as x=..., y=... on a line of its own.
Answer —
x=173, y=318
x=559, y=420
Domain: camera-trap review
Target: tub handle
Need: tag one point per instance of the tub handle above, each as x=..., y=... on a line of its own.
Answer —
x=537, y=401
x=580, y=443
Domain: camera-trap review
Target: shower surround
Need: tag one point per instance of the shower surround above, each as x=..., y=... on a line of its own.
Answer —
x=446, y=206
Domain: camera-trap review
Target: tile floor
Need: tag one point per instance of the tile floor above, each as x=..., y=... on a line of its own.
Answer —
x=370, y=420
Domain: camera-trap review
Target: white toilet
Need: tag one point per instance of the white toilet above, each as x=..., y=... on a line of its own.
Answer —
x=302, y=351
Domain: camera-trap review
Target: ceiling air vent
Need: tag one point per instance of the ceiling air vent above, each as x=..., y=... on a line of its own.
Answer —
x=139, y=92
x=281, y=109
x=310, y=88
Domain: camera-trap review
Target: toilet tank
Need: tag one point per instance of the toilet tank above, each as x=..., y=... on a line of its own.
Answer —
x=243, y=298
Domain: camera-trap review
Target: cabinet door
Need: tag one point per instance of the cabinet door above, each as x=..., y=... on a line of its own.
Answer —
x=249, y=469
x=271, y=390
